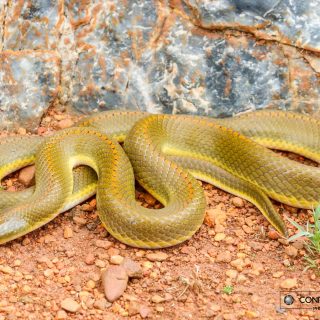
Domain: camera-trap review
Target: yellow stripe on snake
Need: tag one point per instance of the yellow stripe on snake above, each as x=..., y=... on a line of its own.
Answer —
x=165, y=153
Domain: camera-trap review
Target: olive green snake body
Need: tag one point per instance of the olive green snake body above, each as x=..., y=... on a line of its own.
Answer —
x=166, y=153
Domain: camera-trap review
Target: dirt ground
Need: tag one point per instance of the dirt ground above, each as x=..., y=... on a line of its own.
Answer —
x=233, y=268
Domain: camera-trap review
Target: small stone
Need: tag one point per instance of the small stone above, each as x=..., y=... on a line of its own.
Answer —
x=70, y=305
x=102, y=304
x=299, y=243
x=157, y=256
x=219, y=237
x=286, y=263
x=215, y=216
x=160, y=308
x=67, y=232
x=291, y=251
x=79, y=221
x=116, y=259
x=224, y=256
x=237, y=202
x=134, y=308
x=157, y=299
x=61, y=314
x=100, y=263
x=133, y=269
x=238, y=264
x=249, y=314
x=105, y=244
x=17, y=263
x=289, y=283
x=89, y=260
x=114, y=280
x=212, y=309
x=87, y=207
x=22, y=131
x=144, y=311
x=278, y=274
x=149, y=199
x=231, y=273
x=6, y=269
x=273, y=235
x=26, y=176
x=91, y=284
x=65, y=123
x=48, y=273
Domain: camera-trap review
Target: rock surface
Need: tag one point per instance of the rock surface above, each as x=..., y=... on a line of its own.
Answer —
x=213, y=58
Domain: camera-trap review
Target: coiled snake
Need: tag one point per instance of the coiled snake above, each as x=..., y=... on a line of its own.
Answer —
x=167, y=153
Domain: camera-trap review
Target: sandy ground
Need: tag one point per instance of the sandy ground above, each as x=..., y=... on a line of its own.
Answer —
x=234, y=249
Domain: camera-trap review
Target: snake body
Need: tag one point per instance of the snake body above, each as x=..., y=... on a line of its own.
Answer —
x=166, y=153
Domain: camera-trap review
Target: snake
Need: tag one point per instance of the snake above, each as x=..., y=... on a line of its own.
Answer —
x=166, y=154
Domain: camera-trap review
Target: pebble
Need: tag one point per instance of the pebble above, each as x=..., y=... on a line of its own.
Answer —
x=286, y=263
x=289, y=283
x=79, y=221
x=102, y=304
x=105, y=244
x=231, y=273
x=215, y=216
x=157, y=299
x=22, y=131
x=90, y=259
x=224, y=256
x=114, y=280
x=249, y=314
x=70, y=305
x=278, y=274
x=291, y=251
x=116, y=259
x=273, y=235
x=219, y=237
x=157, y=256
x=237, y=202
x=134, y=308
x=144, y=311
x=61, y=314
x=26, y=176
x=67, y=232
x=6, y=269
x=65, y=123
x=133, y=269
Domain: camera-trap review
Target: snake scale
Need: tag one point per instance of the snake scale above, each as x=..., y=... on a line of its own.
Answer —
x=165, y=153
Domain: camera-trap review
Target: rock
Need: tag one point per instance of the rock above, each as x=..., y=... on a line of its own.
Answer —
x=70, y=305
x=6, y=269
x=224, y=256
x=212, y=309
x=291, y=251
x=61, y=314
x=215, y=216
x=65, y=123
x=289, y=283
x=114, y=280
x=132, y=268
x=26, y=176
x=249, y=314
x=286, y=263
x=79, y=221
x=231, y=273
x=237, y=202
x=116, y=259
x=102, y=304
x=67, y=232
x=278, y=274
x=299, y=243
x=144, y=311
x=134, y=308
x=157, y=299
x=273, y=235
x=219, y=237
x=90, y=259
x=105, y=244
x=157, y=256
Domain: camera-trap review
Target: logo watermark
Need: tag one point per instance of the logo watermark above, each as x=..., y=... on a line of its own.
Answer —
x=300, y=300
